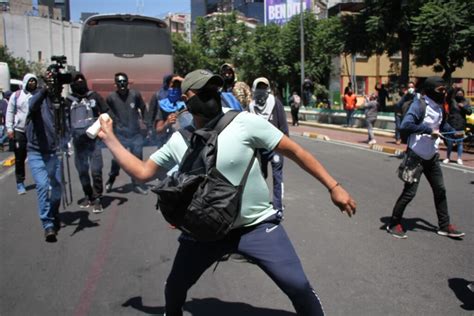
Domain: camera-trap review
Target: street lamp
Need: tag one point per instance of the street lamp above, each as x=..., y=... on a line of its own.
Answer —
x=302, y=45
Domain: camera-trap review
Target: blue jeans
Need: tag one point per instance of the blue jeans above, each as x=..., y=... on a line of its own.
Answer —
x=266, y=244
x=449, y=148
x=350, y=117
x=398, y=122
x=276, y=161
x=46, y=172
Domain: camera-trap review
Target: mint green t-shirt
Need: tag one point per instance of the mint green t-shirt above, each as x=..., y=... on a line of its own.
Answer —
x=235, y=148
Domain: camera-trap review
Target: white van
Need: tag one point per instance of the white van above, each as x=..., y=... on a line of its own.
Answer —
x=4, y=77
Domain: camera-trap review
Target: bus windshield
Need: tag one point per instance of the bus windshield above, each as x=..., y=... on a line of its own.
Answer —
x=119, y=36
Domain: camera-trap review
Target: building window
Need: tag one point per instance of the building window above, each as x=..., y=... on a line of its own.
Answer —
x=361, y=85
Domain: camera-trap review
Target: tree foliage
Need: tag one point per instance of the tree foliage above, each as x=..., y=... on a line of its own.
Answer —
x=18, y=66
x=444, y=35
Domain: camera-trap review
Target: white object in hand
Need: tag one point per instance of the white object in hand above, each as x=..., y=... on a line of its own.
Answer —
x=94, y=129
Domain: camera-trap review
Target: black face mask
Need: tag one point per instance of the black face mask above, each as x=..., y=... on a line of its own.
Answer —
x=205, y=103
x=459, y=98
x=260, y=96
x=79, y=87
x=438, y=97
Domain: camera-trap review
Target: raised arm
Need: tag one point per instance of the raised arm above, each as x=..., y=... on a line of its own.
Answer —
x=311, y=165
x=136, y=168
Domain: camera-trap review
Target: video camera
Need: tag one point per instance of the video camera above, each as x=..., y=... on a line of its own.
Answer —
x=57, y=77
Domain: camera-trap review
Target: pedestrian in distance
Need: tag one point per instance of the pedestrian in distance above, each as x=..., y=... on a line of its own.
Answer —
x=3, y=114
x=44, y=142
x=295, y=104
x=16, y=118
x=127, y=109
x=382, y=96
x=266, y=105
x=154, y=106
x=235, y=94
x=458, y=109
x=370, y=110
x=257, y=233
x=424, y=122
x=85, y=106
x=350, y=104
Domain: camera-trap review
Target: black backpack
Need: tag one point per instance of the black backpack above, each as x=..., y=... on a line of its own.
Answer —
x=198, y=199
x=405, y=108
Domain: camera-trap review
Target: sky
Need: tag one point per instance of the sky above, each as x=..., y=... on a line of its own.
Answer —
x=154, y=8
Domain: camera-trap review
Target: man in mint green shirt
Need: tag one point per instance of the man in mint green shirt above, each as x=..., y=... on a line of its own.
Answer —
x=257, y=234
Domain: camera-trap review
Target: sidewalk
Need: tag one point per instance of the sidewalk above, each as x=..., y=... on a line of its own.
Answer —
x=385, y=139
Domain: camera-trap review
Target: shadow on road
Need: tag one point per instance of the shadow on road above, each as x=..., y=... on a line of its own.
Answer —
x=107, y=200
x=80, y=219
x=411, y=224
x=209, y=307
x=462, y=292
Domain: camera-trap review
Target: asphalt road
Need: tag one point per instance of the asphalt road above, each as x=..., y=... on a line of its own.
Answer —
x=116, y=263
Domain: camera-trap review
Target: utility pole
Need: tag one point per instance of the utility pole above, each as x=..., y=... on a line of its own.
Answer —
x=302, y=45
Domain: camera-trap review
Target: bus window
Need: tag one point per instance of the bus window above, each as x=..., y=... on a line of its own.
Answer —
x=136, y=45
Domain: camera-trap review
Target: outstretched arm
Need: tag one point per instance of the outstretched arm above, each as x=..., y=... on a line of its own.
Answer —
x=311, y=165
x=136, y=168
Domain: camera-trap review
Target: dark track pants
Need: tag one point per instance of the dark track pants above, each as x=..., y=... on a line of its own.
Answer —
x=20, y=156
x=266, y=244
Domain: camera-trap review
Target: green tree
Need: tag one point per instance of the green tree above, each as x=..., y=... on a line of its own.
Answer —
x=388, y=28
x=444, y=35
x=18, y=66
x=187, y=56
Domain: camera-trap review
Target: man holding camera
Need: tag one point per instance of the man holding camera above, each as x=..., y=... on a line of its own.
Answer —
x=127, y=110
x=85, y=106
x=44, y=140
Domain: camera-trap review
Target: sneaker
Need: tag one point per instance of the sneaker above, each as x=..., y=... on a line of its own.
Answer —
x=237, y=257
x=396, y=231
x=97, y=206
x=86, y=203
x=50, y=234
x=109, y=184
x=373, y=141
x=20, y=188
x=446, y=161
x=459, y=161
x=398, y=142
x=450, y=231
x=140, y=189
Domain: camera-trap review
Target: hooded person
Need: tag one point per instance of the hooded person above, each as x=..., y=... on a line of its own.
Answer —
x=257, y=231
x=85, y=106
x=424, y=122
x=235, y=94
x=266, y=105
x=15, y=124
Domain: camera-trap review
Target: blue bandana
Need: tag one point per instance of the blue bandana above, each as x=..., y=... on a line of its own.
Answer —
x=171, y=107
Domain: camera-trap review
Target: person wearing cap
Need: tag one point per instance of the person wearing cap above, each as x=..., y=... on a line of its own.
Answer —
x=128, y=111
x=258, y=234
x=266, y=105
x=425, y=121
x=235, y=94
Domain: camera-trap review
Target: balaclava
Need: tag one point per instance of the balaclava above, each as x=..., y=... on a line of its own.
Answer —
x=205, y=103
x=431, y=83
x=79, y=87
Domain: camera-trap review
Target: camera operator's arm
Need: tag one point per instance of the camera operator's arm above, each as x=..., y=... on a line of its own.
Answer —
x=136, y=168
x=37, y=99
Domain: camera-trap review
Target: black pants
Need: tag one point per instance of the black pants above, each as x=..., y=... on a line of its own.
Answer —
x=434, y=175
x=88, y=156
x=294, y=115
x=20, y=156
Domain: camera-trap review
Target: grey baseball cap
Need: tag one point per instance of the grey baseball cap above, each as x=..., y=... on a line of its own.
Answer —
x=197, y=79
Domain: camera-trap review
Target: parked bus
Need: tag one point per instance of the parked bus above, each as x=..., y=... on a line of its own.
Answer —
x=137, y=45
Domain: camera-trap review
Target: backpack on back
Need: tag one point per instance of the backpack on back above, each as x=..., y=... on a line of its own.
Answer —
x=81, y=113
x=405, y=108
x=197, y=198
x=230, y=101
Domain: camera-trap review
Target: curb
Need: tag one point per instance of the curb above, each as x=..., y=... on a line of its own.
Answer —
x=374, y=147
x=10, y=161
x=377, y=132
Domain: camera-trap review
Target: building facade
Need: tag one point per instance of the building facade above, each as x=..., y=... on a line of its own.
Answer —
x=253, y=9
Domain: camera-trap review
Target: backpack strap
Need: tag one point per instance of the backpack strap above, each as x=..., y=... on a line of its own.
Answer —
x=187, y=133
x=243, y=181
x=225, y=120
